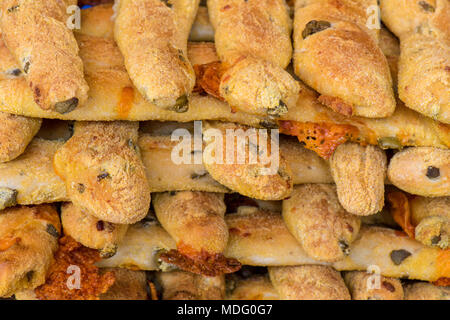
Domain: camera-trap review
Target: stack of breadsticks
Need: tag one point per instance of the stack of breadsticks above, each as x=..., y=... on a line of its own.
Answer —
x=94, y=204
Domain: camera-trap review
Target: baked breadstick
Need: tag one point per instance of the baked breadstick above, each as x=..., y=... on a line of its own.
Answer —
x=91, y=232
x=246, y=161
x=424, y=77
x=103, y=171
x=308, y=283
x=36, y=34
x=422, y=171
x=144, y=242
x=152, y=36
x=181, y=285
x=431, y=218
x=201, y=249
x=359, y=173
x=28, y=240
x=262, y=239
x=316, y=219
x=16, y=133
x=253, y=42
x=426, y=291
x=338, y=55
x=367, y=286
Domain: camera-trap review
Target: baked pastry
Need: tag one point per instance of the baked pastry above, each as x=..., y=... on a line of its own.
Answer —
x=423, y=75
x=103, y=171
x=369, y=286
x=338, y=55
x=152, y=36
x=35, y=32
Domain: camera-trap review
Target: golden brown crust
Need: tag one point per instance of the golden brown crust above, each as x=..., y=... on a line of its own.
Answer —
x=35, y=33
x=128, y=285
x=336, y=54
x=203, y=215
x=390, y=46
x=315, y=218
x=308, y=283
x=152, y=36
x=103, y=171
x=90, y=231
x=28, y=240
x=253, y=41
x=181, y=285
x=16, y=133
x=97, y=22
x=366, y=286
x=426, y=291
x=359, y=173
x=422, y=171
x=246, y=171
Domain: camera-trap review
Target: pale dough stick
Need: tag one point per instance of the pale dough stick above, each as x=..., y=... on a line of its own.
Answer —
x=201, y=249
x=308, y=283
x=30, y=178
x=103, y=171
x=253, y=42
x=338, y=55
x=16, y=133
x=141, y=247
x=421, y=171
x=423, y=75
x=28, y=240
x=262, y=239
x=90, y=231
x=36, y=34
x=152, y=36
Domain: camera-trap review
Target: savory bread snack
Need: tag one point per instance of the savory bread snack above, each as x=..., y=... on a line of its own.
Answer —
x=45, y=50
x=201, y=249
x=152, y=36
x=28, y=240
x=315, y=218
x=359, y=173
x=30, y=178
x=370, y=286
x=90, y=231
x=103, y=171
x=181, y=285
x=16, y=133
x=426, y=291
x=423, y=77
x=308, y=283
x=246, y=160
x=253, y=42
x=421, y=171
x=128, y=285
x=338, y=55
